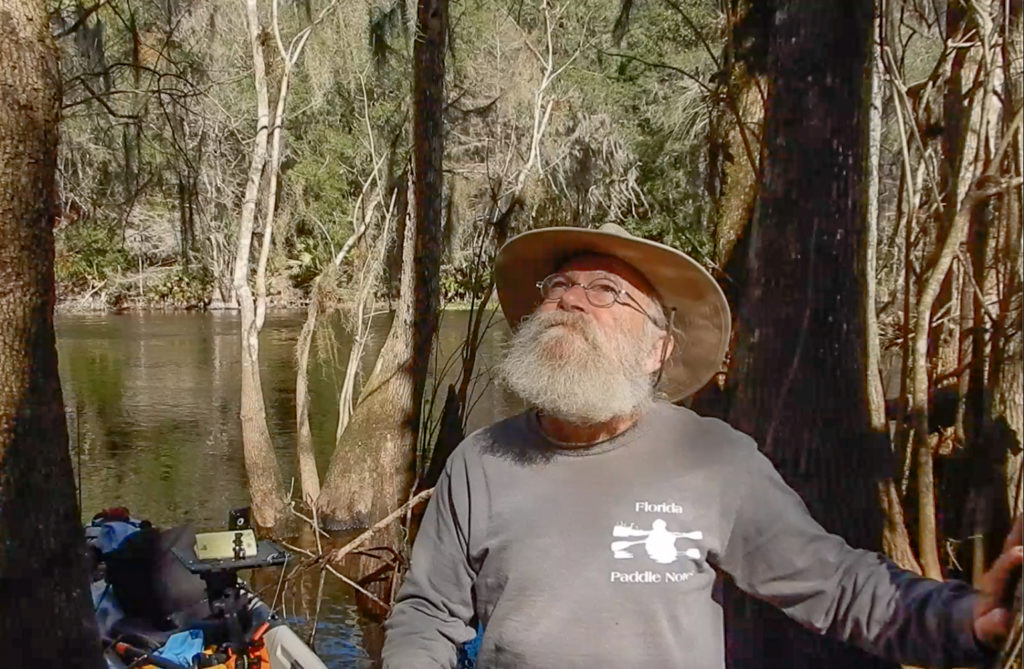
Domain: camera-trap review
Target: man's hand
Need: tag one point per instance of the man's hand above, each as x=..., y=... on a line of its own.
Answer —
x=993, y=615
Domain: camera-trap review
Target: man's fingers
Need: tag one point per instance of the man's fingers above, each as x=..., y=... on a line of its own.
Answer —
x=996, y=580
x=1015, y=535
x=993, y=627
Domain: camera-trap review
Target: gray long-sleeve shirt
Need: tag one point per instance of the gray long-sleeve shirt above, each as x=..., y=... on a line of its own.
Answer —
x=604, y=556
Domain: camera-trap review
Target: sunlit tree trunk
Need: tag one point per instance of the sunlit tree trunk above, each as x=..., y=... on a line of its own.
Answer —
x=1008, y=395
x=934, y=351
x=308, y=474
x=969, y=175
x=261, y=465
x=372, y=465
x=982, y=348
x=734, y=150
x=895, y=538
x=372, y=472
x=734, y=139
x=309, y=477
x=799, y=366
x=992, y=411
x=46, y=617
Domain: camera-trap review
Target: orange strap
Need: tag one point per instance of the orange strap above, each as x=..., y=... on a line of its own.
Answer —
x=260, y=631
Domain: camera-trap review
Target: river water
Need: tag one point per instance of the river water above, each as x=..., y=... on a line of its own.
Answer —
x=153, y=399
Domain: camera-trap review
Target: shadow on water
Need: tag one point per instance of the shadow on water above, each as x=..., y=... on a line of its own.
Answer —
x=153, y=403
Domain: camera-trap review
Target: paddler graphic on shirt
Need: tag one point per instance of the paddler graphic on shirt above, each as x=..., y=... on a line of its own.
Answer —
x=659, y=542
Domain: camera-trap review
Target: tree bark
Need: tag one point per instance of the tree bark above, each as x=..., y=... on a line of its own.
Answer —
x=734, y=150
x=46, y=616
x=737, y=191
x=373, y=472
x=799, y=365
x=965, y=186
x=261, y=465
x=428, y=188
x=372, y=464
x=309, y=478
x=1008, y=396
x=985, y=519
x=895, y=538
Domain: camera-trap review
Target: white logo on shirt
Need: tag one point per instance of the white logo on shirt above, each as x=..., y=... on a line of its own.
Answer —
x=659, y=542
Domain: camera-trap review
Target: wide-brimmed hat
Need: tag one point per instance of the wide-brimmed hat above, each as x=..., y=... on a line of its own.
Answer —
x=701, y=324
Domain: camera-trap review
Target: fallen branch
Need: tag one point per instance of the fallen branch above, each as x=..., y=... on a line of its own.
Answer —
x=92, y=291
x=336, y=555
x=310, y=521
x=320, y=558
x=335, y=572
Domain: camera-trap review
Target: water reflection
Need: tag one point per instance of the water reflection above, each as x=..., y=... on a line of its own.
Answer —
x=152, y=403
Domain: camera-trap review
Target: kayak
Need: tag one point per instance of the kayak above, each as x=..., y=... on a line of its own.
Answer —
x=160, y=602
x=284, y=648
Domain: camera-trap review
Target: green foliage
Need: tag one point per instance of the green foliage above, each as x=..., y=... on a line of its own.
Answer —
x=92, y=259
x=625, y=140
x=87, y=255
x=653, y=90
x=460, y=283
x=182, y=287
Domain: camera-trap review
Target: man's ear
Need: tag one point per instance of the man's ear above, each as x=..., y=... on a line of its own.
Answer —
x=660, y=352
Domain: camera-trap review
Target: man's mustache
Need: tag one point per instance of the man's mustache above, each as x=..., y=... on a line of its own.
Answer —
x=578, y=323
x=553, y=318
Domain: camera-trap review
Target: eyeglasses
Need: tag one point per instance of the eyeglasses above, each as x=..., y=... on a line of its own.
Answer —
x=602, y=293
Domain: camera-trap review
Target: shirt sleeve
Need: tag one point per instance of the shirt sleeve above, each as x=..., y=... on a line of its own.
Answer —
x=777, y=552
x=433, y=611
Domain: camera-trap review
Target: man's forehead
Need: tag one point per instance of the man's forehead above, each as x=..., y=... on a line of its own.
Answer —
x=594, y=262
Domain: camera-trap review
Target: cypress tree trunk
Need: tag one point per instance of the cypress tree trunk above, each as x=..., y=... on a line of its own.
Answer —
x=801, y=385
x=261, y=468
x=46, y=617
x=735, y=136
x=1008, y=396
x=372, y=464
x=895, y=536
x=370, y=477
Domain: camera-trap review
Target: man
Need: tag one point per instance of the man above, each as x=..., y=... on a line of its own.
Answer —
x=587, y=532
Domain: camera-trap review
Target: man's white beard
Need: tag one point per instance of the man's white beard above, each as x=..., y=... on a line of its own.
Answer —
x=575, y=371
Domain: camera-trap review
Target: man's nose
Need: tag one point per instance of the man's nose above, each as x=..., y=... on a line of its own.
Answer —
x=574, y=299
